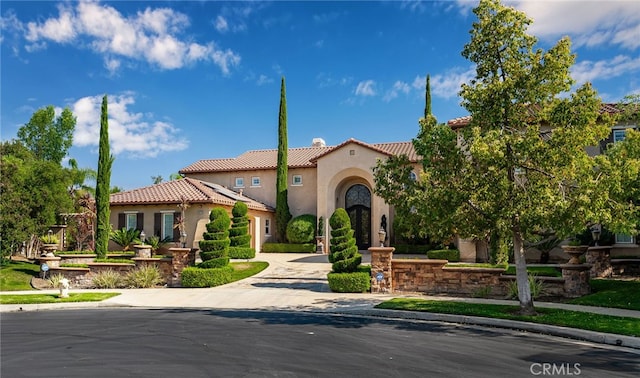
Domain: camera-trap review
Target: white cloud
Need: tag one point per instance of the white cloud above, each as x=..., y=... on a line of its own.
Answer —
x=153, y=35
x=398, y=87
x=604, y=69
x=588, y=23
x=326, y=80
x=59, y=30
x=264, y=79
x=366, y=88
x=130, y=133
x=221, y=24
x=446, y=85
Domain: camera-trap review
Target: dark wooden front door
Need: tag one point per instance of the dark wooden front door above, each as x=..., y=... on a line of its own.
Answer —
x=358, y=206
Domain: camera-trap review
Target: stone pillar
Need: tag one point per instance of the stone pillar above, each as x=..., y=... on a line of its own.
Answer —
x=381, y=268
x=600, y=259
x=143, y=251
x=51, y=261
x=576, y=279
x=180, y=260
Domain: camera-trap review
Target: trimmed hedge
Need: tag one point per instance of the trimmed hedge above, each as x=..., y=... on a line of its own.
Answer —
x=288, y=248
x=302, y=229
x=453, y=255
x=197, y=277
x=241, y=253
x=356, y=282
x=411, y=249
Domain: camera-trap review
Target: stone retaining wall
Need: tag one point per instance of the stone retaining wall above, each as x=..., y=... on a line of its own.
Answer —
x=433, y=277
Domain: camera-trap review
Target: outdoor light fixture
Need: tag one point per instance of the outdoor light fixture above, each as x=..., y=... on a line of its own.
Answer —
x=595, y=233
x=143, y=236
x=382, y=234
x=183, y=239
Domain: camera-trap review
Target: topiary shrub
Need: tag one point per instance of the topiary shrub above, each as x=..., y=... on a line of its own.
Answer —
x=240, y=240
x=197, y=277
x=346, y=275
x=302, y=229
x=453, y=255
x=288, y=248
x=215, y=245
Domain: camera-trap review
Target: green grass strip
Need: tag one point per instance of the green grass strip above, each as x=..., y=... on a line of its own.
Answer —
x=16, y=275
x=54, y=298
x=242, y=270
x=558, y=317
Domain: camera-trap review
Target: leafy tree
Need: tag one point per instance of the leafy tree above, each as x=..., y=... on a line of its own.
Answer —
x=521, y=166
x=157, y=179
x=33, y=191
x=240, y=246
x=105, y=161
x=283, y=215
x=427, y=98
x=48, y=137
x=214, y=249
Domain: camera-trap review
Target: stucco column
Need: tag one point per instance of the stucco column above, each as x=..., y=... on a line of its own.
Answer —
x=381, y=280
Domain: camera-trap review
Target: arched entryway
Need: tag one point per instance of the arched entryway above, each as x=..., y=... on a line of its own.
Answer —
x=358, y=205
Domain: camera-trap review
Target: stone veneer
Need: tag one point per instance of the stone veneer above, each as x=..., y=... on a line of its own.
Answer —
x=433, y=277
x=170, y=267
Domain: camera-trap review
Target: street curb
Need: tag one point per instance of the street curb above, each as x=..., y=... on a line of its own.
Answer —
x=566, y=332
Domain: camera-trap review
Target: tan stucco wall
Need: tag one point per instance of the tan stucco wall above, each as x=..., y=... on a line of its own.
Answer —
x=197, y=215
x=341, y=169
x=302, y=199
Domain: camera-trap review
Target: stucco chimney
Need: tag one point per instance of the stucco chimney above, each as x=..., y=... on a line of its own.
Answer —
x=318, y=142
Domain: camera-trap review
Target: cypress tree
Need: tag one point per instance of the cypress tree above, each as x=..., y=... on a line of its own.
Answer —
x=103, y=183
x=283, y=215
x=427, y=99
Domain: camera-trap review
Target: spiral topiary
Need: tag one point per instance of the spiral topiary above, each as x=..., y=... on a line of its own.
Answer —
x=239, y=233
x=344, y=253
x=214, y=249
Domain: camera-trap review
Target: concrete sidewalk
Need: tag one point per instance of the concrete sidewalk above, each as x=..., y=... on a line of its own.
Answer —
x=297, y=282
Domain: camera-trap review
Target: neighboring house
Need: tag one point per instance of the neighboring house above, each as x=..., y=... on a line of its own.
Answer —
x=624, y=244
x=156, y=210
x=321, y=178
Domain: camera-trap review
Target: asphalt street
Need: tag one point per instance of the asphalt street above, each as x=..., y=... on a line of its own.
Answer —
x=189, y=342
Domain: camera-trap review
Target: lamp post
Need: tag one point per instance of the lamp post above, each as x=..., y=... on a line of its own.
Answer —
x=595, y=233
x=143, y=237
x=382, y=234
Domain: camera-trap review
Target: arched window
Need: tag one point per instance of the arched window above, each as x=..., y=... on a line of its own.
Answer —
x=358, y=195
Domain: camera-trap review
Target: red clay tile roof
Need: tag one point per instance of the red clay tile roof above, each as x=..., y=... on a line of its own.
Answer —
x=459, y=122
x=297, y=158
x=191, y=190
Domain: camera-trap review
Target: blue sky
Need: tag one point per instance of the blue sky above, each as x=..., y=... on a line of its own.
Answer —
x=194, y=80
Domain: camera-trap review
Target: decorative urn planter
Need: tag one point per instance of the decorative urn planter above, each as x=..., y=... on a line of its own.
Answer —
x=575, y=251
x=49, y=249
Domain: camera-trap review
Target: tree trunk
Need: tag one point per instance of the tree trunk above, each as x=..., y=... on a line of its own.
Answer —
x=522, y=278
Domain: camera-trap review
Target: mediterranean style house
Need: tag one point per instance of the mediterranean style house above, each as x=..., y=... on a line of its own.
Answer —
x=321, y=178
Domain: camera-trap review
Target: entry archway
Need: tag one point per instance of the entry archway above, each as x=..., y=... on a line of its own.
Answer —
x=358, y=205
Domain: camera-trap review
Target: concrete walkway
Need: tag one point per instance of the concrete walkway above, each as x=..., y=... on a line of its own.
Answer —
x=298, y=282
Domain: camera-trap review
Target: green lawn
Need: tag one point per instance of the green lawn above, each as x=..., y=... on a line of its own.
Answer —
x=573, y=319
x=16, y=275
x=53, y=298
x=612, y=293
x=242, y=270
